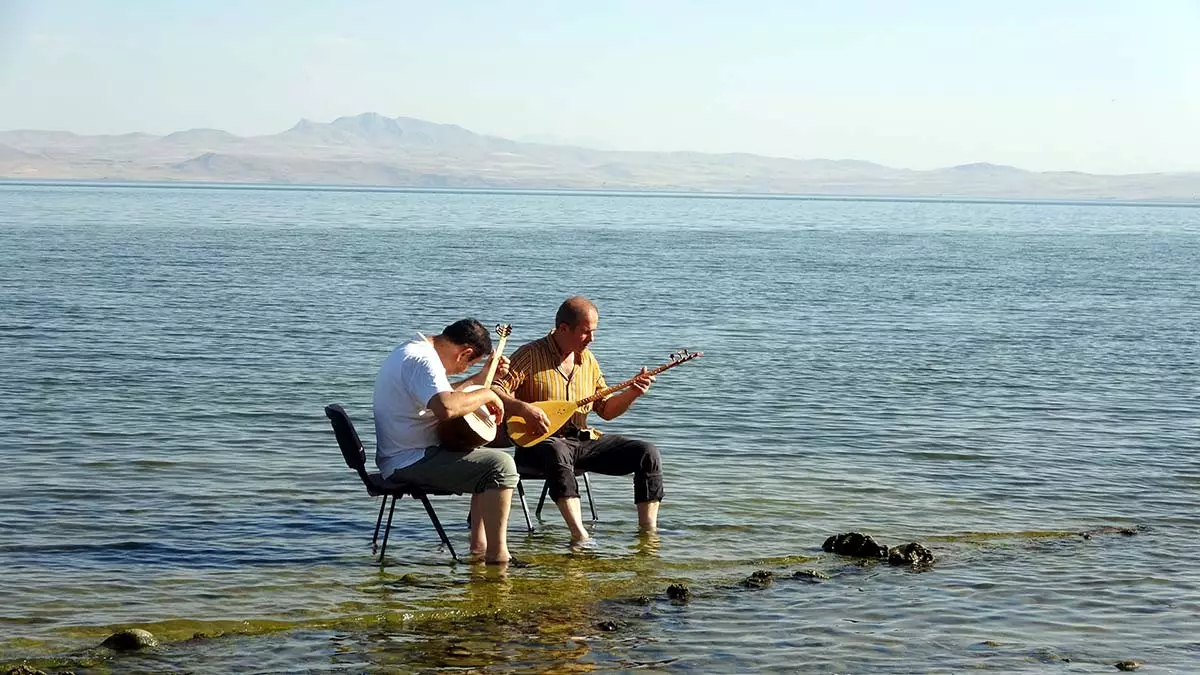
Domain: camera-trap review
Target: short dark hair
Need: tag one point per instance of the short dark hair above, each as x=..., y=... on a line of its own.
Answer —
x=573, y=311
x=469, y=333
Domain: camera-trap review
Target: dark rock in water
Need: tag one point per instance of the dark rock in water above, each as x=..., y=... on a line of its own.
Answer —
x=24, y=669
x=855, y=544
x=130, y=640
x=607, y=626
x=679, y=592
x=912, y=554
x=1123, y=531
x=759, y=579
x=811, y=576
x=1128, y=665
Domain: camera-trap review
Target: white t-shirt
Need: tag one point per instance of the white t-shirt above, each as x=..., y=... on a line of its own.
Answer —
x=404, y=426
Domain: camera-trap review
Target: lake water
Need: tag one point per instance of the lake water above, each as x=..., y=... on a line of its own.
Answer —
x=988, y=379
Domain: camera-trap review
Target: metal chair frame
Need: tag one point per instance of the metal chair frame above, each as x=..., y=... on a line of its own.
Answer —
x=356, y=458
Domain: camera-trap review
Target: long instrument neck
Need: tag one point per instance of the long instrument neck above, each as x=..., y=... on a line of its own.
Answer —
x=624, y=385
x=487, y=382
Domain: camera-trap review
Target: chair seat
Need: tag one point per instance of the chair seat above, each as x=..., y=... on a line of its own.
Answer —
x=377, y=486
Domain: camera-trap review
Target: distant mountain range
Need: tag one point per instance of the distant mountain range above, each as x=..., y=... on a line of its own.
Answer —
x=371, y=149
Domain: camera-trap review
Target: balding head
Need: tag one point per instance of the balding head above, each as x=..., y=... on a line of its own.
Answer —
x=575, y=325
x=574, y=311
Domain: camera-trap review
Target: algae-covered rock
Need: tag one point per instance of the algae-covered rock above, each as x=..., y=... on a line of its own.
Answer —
x=759, y=579
x=679, y=592
x=811, y=576
x=24, y=669
x=855, y=544
x=912, y=554
x=130, y=640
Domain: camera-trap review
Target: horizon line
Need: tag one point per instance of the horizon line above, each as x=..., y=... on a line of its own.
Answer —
x=555, y=192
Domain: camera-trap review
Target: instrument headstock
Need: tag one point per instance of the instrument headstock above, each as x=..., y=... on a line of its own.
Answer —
x=504, y=329
x=683, y=355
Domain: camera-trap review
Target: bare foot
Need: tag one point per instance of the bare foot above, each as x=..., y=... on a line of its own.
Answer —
x=512, y=561
x=583, y=544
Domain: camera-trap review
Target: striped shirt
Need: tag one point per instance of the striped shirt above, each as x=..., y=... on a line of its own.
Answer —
x=534, y=375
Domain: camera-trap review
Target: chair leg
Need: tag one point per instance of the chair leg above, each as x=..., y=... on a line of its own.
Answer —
x=388, y=532
x=524, y=507
x=378, y=522
x=437, y=524
x=542, y=500
x=588, y=486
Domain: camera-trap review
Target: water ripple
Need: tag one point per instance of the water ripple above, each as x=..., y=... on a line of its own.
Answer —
x=993, y=380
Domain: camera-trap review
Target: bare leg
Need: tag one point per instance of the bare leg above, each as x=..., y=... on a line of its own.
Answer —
x=648, y=516
x=493, y=511
x=569, y=508
x=478, y=535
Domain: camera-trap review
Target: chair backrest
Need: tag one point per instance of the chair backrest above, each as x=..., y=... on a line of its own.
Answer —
x=348, y=440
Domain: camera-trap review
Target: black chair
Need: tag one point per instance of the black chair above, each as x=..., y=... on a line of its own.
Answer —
x=534, y=473
x=356, y=458
x=531, y=473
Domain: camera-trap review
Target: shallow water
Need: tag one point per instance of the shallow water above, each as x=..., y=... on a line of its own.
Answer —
x=988, y=379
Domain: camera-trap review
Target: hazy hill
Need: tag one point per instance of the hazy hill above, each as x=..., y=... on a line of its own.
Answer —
x=371, y=149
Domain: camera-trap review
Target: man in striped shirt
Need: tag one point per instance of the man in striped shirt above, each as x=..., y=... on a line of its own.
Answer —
x=559, y=367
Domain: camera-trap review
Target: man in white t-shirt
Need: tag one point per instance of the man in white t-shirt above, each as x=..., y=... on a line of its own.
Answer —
x=412, y=395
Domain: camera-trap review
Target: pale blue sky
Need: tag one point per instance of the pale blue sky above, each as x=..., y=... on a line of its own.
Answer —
x=1093, y=86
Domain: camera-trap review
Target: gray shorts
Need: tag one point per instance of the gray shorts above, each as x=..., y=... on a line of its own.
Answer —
x=460, y=472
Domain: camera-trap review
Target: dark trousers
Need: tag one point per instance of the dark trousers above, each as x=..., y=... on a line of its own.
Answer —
x=560, y=458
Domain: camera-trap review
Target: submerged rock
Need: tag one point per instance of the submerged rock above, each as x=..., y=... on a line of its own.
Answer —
x=759, y=579
x=679, y=592
x=855, y=544
x=607, y=626
x=811, y=576
x=912, y=554
x=1127, y=665
x=130, y=640
x=1109, y=529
